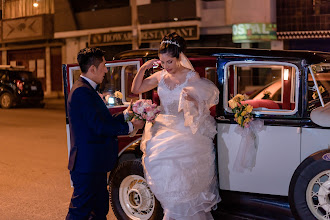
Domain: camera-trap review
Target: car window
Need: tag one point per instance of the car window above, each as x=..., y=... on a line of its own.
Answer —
x=268, y=87
x=130, y=72
x=322, y=77
x=119, y=78
x=3, y=76
x=211, y=74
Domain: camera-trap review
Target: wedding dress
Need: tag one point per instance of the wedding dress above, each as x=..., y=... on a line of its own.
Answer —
x=178, y=150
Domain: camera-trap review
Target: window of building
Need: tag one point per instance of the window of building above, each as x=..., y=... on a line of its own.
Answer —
x=93, y=5
x=25, y=8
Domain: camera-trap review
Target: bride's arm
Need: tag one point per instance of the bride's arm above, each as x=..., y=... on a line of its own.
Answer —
x=141, y=85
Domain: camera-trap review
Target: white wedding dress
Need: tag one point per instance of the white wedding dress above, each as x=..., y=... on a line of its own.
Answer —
x=178, y=150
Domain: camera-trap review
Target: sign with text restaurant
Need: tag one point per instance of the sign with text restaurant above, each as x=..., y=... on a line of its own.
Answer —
x=146, y=36
x=253, y=32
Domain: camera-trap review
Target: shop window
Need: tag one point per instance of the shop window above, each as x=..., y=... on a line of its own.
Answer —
x=25, y=8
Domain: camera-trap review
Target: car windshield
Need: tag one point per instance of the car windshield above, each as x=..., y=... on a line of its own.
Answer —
x=322, y=77
x=21, y=75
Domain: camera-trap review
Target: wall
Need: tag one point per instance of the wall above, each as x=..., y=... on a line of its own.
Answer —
x=213, y=18
x=250, y=11
x=63, y=18
x=104, y=18
x=72, y=47
x=167, y=11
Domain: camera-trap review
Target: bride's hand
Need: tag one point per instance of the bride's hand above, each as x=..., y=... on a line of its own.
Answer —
x=149, y=64
x=189, y=97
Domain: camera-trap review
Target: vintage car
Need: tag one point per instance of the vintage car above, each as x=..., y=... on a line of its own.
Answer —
x=288, y=90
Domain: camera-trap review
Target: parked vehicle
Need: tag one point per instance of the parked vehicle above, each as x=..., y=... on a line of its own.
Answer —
x=291, y=176
x=18, y=86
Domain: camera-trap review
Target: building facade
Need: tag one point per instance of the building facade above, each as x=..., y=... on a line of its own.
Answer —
x=41, y=35
x=27, y=40
x=304, y=24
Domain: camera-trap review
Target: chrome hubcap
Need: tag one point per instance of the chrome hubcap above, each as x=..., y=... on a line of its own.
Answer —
x=136, y=198
x=318, y=195
x=5, y=101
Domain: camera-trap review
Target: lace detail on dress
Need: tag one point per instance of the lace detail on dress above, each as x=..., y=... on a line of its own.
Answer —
x=170, y=97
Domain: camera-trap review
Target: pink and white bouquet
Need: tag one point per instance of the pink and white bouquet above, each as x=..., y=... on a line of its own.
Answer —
x=144, y=109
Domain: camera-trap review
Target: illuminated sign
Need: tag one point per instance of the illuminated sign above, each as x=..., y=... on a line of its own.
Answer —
x=146, y=36
x=253, y=32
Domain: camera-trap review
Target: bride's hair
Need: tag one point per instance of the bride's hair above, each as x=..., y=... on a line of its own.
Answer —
x=172, y=44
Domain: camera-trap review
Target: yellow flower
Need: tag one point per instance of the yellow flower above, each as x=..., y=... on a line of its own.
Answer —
x=239, y=97
x=232, y=104
x=314, y=95
x=247, y=120
x=249, y=108
x=243, y=113
x=239, y=120
x=236, y=115
x=118, y=95
x=322, y=90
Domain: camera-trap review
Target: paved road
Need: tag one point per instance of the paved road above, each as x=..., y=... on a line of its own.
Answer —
x=34, y=180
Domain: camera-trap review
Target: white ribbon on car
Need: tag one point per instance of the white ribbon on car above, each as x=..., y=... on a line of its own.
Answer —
x=247, y=152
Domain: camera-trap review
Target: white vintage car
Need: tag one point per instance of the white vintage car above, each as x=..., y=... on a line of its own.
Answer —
x=289, y=92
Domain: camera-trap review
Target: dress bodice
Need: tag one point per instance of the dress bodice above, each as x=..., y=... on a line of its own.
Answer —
x=169, y=98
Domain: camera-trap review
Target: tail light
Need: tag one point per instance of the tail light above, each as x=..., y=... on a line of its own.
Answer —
x=19, y=84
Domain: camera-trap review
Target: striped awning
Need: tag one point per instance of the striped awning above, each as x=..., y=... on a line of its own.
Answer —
x=303, y=34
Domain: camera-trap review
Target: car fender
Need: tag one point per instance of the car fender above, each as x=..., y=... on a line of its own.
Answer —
x=131, y=151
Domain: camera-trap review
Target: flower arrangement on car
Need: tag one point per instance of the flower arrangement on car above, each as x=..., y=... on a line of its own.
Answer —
x=145, y=110
x=242, y=111
x=315, y=94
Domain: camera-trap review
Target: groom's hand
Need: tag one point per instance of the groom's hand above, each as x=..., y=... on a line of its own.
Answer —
x=137, y=123
x=129, y=108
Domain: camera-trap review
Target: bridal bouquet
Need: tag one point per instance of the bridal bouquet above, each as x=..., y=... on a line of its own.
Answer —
x=144, y=109
x=242, y=111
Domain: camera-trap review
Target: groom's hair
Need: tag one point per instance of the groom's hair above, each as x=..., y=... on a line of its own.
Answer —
x=89, y=56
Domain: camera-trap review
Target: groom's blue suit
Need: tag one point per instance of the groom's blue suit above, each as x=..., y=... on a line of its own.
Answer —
x=94, y=149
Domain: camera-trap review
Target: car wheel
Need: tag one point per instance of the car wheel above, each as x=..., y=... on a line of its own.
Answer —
x=309, y=193
x=130, y=196
x=6, y=100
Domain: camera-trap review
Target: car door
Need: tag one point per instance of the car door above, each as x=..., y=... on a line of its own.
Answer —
x=278, y=142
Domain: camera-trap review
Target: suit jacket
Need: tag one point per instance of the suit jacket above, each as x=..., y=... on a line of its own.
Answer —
x=93, y=130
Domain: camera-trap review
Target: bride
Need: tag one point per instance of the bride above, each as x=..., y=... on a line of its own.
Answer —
x=178, y=151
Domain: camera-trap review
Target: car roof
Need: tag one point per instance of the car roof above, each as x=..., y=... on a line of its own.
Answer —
x=311, y=57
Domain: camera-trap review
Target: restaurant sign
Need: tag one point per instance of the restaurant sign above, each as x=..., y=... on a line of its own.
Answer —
x=254, y=32
x=146, y=36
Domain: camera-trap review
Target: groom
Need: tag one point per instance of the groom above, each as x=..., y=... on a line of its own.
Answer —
x=94, y=143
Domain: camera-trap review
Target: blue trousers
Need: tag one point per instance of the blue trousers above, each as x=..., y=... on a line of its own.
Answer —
x=90, y=198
